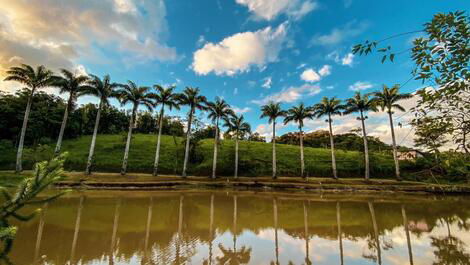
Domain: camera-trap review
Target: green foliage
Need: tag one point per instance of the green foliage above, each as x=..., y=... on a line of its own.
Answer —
x=430, y=133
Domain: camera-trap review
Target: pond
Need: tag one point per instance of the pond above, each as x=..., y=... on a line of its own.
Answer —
x=244, y=227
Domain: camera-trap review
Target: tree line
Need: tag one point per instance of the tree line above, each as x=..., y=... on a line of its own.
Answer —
x=166, y=98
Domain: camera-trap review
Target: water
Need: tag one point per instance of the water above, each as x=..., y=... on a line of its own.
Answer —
x=218, y=227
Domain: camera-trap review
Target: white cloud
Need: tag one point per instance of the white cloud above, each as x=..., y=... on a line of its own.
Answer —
x=337, y=35
x=239, y=52
x=348, y=59
x=266, y=130
x=360, y=85
x=241, y=110
x=302, y=65
x=309, y=75
x=270, y=9
x=325, y=70
x=267, y=82
x=201, y=41
x=235, y=91
x=58, y=36
x=290, y=94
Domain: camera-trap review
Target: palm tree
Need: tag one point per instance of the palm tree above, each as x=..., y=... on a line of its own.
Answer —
x=273, y=111
x=362, y=103
x=72, y=84
x=298, y=114
x=103, y=89
x=329, y=107
x=166, y=98
x=388, y=100
x=218, y=110
x=33, y=80
x=194, y=100
x=239, y=127
x=132, y=93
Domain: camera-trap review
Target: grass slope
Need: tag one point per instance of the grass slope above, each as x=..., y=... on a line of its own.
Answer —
x=254, y=157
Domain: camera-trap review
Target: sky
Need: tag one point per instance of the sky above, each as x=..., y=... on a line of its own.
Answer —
x=248, y=52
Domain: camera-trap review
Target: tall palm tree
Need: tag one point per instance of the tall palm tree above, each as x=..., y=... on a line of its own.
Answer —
x=73, y=84
x=239, y=127
x=167, y=99
x=388, y=100
x=273, y=111
x=362, y=104
x=218, y=110
x=137, y=95
x=104, y=89
x=195, y=101
x=298, y=114
x=33, y=79
x=329, y=107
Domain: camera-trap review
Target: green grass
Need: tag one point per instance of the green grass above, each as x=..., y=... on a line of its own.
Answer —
x=254, y=157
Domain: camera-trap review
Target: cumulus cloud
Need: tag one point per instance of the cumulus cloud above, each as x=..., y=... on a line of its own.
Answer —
x=339, y=34
x=360, y=85
x=239, y=52
x=270, y=9
x=268, y=81
x=290, y=94
x=57, y=35
x=310, y=75
x=348, y=59
x=238, y=110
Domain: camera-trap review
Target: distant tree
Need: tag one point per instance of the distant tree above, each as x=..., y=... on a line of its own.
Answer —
x=167, y=99
x=33, y=79
x=362, y=104
x=431, y=134
x=73, y=84
x=145, y=122
x=104, y=89
x=218, y=110
x=272, y=111
x=192, y=98
x=329, y=107
x=256, y=137
x=388, y=99
x=136, y=95
x=238, y=127
x=298, y=114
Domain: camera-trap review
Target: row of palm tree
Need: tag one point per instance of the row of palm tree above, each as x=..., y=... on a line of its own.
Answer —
x=387, y=99
x=218, y=111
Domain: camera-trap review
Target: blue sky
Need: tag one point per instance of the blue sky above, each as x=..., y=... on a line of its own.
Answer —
x=246, y=51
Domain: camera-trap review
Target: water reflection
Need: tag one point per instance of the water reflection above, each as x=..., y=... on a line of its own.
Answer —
x=245, y=228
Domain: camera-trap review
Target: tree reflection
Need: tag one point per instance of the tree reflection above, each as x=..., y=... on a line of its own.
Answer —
x=307, y=259
x=76, y=230
x=376, y=243
x=450, y=250
x=340, y=235
x=407, y=232
x=115, y=227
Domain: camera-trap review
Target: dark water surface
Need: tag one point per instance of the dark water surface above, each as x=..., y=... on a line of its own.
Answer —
x=218, y=227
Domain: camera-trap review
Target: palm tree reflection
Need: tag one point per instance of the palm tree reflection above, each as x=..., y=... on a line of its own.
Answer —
x=407, y=231
x=39, y=235
x=115, y=227
x=77, y=228
x=307, y=260
x=376, y=236
x=450, y=250
x=340, y=235
x=147, y=232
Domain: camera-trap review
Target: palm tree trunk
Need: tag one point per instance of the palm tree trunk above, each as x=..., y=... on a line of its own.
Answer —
x=19, y=154
x=274, y=150
x=157, y=152
x=77, y=228
x=64, y=124
x=216, y=140
x=188, y=136
x=394, y=144
x=128, y=142
x=366, y=148
x=340, y=235
x=332, y=147
x=115, y=228
x=407, y=231
x=39, y=235
x=236, y=156
x=93, y=140
x=307, y=260
x=302, y=162
x=376, y=231
x=276, y=241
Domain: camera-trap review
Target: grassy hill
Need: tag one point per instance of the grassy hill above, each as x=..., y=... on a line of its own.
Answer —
x=255, y=157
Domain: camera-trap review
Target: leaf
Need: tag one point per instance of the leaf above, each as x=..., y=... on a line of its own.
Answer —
x=392, y=56
x=384, y=58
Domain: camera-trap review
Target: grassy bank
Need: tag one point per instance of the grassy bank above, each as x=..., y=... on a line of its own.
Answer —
x=255, y=157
